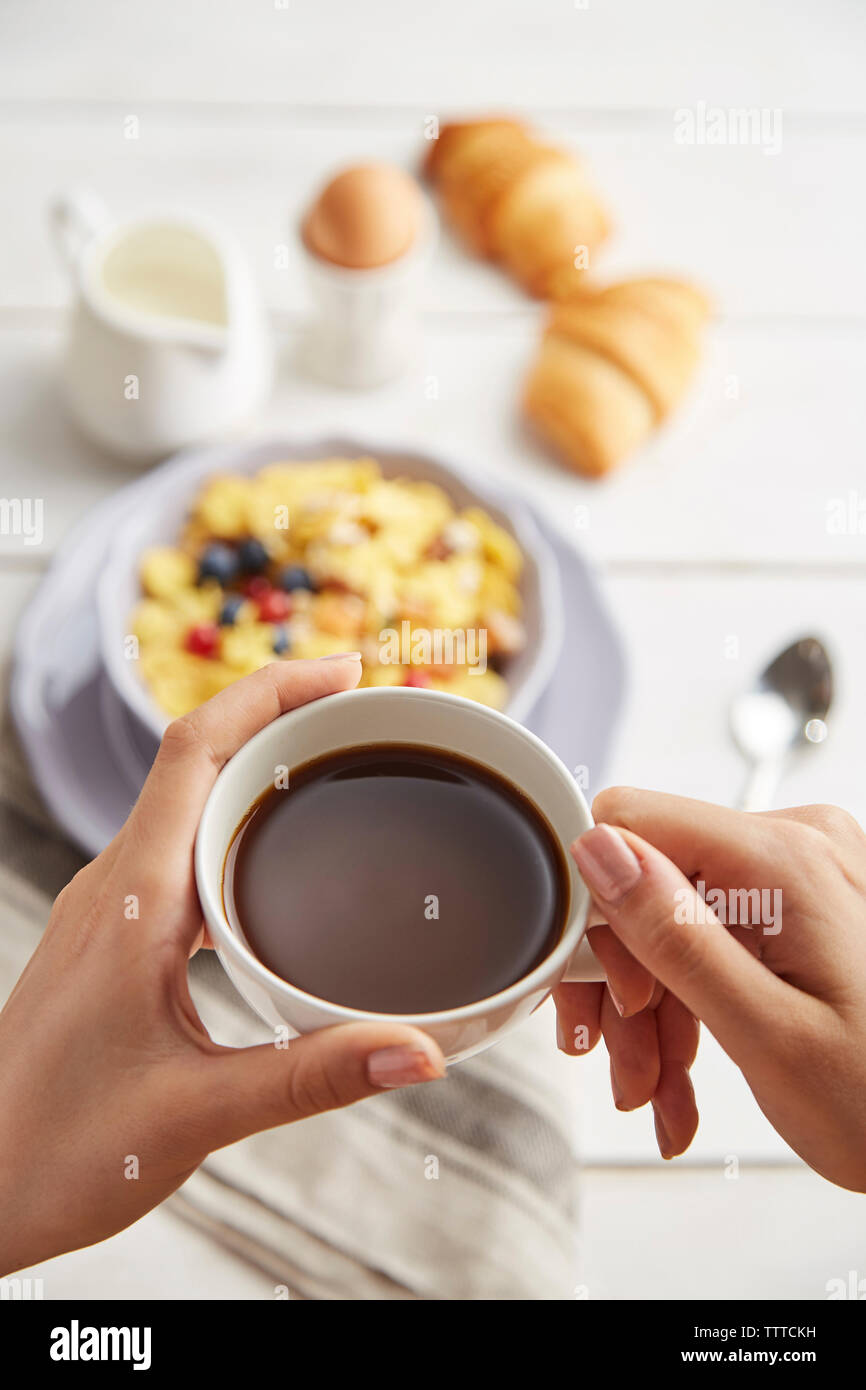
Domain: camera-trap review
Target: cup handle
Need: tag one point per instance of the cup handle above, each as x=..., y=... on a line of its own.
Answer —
x=583, y=967
x=75, y=220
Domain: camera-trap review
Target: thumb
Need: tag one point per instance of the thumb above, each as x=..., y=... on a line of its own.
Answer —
x=654, y=910
x=257, y=1088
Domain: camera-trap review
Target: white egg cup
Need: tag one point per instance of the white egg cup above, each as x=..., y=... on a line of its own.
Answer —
x=364, y=330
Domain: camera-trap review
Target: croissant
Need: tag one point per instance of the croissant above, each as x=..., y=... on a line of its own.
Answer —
x=517, y=201
x=613, y=363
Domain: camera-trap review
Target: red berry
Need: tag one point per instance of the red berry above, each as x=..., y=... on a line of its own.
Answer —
x=256, y=586
x=274, y=606
x=203, y=640
x=420, y=679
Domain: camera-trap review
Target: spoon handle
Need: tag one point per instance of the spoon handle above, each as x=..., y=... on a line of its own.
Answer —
x=761, y=783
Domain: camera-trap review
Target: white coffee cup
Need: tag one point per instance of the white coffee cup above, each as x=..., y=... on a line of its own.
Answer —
x=394, y=715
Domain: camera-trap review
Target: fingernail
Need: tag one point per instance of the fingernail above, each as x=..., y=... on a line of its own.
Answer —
x=610, y=868
x=341, y=656
x=666, y=1148
x=617, y=1003
x=391, y=1067
x=615, y=1087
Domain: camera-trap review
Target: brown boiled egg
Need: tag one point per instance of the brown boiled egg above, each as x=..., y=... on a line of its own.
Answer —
x=367, y=216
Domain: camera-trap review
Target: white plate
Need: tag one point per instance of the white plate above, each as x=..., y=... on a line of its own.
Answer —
x=157, y=519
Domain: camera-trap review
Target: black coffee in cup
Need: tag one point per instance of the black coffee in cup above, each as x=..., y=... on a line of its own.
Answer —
x=398, y=879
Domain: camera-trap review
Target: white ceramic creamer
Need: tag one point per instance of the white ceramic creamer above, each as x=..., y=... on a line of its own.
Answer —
x=168, y=344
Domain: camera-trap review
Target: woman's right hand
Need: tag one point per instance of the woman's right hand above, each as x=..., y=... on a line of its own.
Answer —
x=784, y=995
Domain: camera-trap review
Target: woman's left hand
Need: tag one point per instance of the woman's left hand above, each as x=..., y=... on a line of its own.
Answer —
x=111, y=1090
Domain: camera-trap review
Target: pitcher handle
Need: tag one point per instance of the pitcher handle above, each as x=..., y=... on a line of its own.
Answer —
x=75, y=220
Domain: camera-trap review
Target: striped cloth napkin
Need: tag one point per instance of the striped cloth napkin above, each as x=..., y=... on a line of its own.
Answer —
x=459, y=1189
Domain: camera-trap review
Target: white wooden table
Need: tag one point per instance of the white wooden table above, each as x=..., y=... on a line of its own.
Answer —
x=718, y=532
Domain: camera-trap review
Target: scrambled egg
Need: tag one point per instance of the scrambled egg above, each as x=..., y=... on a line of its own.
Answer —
x=307, y=559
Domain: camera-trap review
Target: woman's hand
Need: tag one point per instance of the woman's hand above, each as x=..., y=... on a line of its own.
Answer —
x=789, y=1009
x=111, y=1091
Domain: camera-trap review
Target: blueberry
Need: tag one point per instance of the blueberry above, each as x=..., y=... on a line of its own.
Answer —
x=281, y=640
x=252, y=556
x=296, y=577
x=218, y=562
x=229, y=611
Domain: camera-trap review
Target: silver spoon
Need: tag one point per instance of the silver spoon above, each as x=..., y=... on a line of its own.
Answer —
x=785, y=709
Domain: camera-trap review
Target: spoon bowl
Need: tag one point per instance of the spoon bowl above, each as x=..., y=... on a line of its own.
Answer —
x=785, y=709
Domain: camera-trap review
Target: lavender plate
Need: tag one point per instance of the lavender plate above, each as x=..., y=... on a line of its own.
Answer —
x=89, y=753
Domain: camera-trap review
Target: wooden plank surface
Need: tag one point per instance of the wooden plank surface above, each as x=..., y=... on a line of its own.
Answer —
x=752, y=479
x=593, y=54
x=769, y=235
